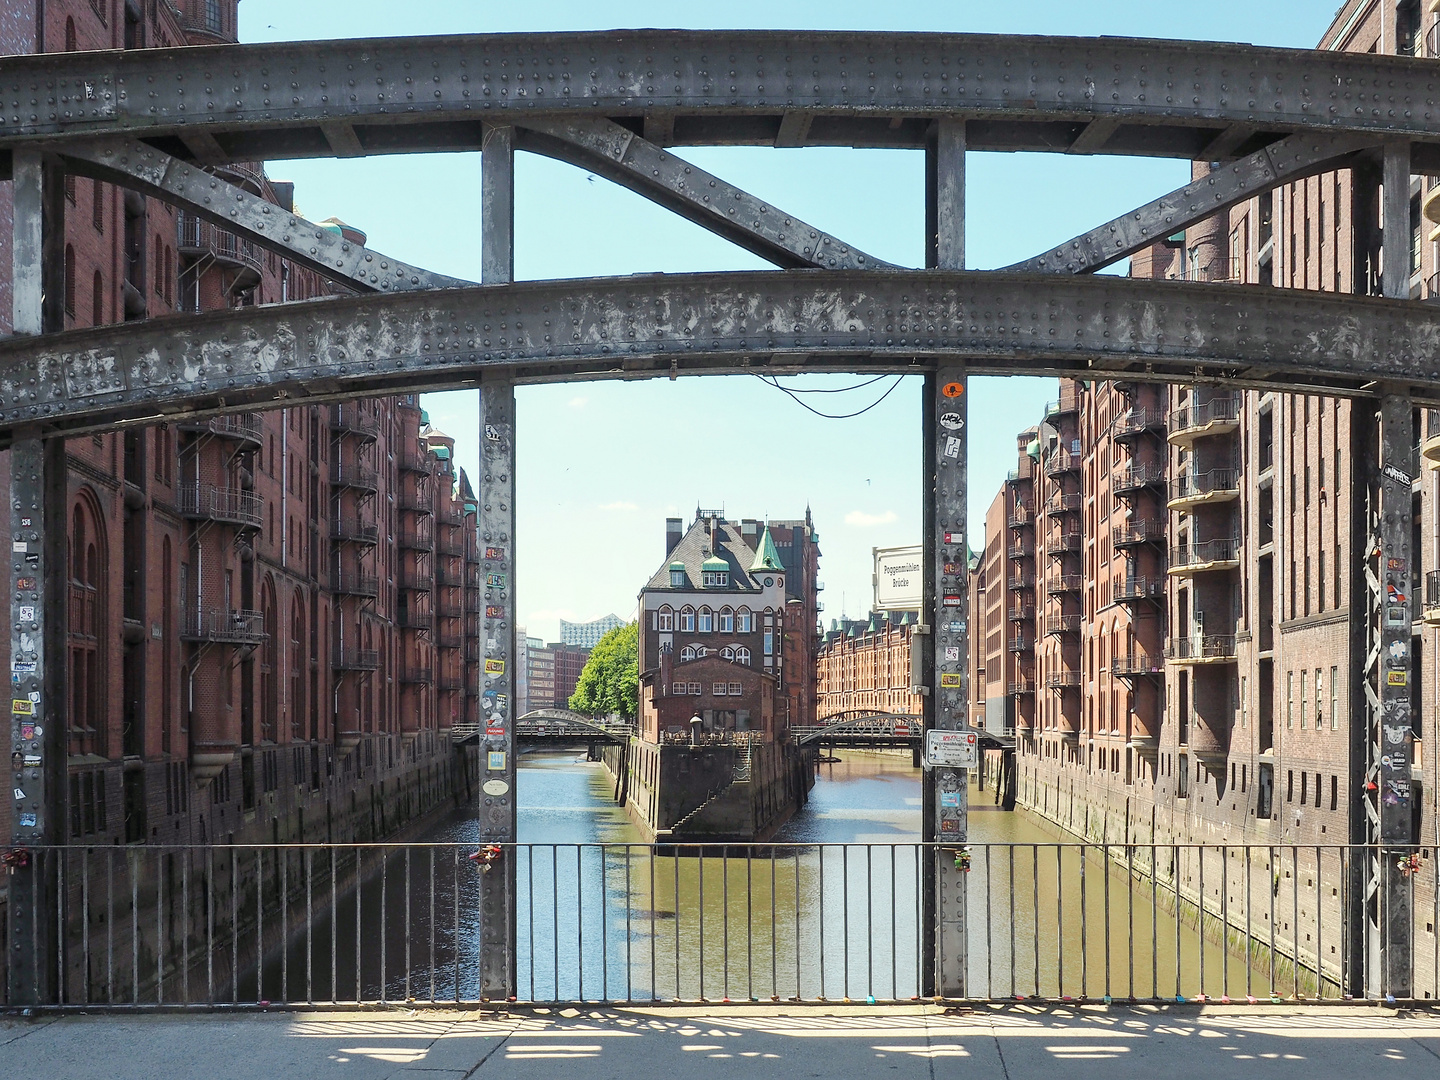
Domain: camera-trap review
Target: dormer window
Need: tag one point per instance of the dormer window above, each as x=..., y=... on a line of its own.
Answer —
x=715, y=573
x=677, y=575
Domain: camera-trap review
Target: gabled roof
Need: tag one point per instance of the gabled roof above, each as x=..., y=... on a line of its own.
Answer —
x=699, y=550
x=766, y=557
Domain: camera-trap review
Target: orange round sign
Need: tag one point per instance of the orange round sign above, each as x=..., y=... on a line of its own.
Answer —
x=952, y=389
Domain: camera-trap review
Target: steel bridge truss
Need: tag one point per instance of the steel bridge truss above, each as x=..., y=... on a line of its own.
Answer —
x=616, y=104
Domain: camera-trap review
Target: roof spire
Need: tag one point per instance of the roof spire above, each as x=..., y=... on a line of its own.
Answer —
x=766, y=556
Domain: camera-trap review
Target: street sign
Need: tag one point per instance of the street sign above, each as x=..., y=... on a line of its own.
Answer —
x=952, y=749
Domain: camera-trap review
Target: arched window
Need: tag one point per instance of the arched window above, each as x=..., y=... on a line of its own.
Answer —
x=701, y=652
x=727, y=620
x=707, y=621
x=97, y=300
x=687, y=620
x=169, y=276
x=687, y=653
x=742, y=655
x=745, y=622
x=727, y=653
x=665, y=618
x=297, y=663
x=72, y=43
x=69, y=280
x=88, y=583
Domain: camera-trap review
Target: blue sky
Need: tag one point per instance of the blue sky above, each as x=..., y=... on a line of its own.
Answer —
x=602, y=464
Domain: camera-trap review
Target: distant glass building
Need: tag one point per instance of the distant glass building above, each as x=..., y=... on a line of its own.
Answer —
x=588, y=634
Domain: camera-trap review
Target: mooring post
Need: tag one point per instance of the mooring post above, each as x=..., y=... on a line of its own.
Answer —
x=496, y=809
x=38, y=600
x=944, y=651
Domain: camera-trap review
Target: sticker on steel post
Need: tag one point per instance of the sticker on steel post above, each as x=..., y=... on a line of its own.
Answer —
x=950, y=681
x=952, y=447
x=495, y=761
x=1396, y=678
x=494, y=667
x=952, y=389
x=951, y=421
x=495, y=581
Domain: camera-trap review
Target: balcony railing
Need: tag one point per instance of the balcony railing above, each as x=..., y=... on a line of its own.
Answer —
x=1137, y=421
x=417, y=537
x=354, y=583
x=1017, y=689
x=1205, y=553
x=1021, y=516
x=1019, y=476
x=360, y=532
x=353, y=476
x=1020, y=582
x=1138, y=476
x=1222, y=412
x=206, y=502
x=1065, y=583
x=413, y=460
x=1061, y=462
x=416, y=578
x=1062, y=624
x=1022, y=613
x=415, y=620
x=1064, y=504
x=453, y=546
x=356, y=659
x=1136, y=665
x=1137, y=588
x=1065, y=543
x=450, y=608
x=1209, y=647
x=246, y=427
x=1020, y=551
x=1062, y=680
x=224, y=626
x=1021, y=645
x=350, y=420
x=449, y=639
x=196, y=237
x=1138, y=532
x=416, y=502
x=1217, y=483
x=417, y=676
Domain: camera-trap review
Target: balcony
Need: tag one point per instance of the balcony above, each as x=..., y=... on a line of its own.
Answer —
x=1019, y=689
x=1064, y=504
x=1431, y=611
x=1021, y=613
x=1190, y=559
x=1065, y=543
x=348, y=419
x=1069, y=402
x=1202, y=489
x=413, y=460
x=416, y=579
x=1062, y=625
x=354, y=583
x=1019, y=476
x=1138, y=532
x=246, y=427
x=360, y=477
x=1067, y=679
x=416, y=537
x=417, y=676
x=1206, y=649
x=1064, y=583
x=223, y=626
x=1137, y=666
x=1021, y=516
x=450, y=684
x=452, y=514
x=1218, y=416
x=472, y=650
x=1138, y=478
x=415, y=620
x=1020, y=582
x=1020, y=551
x=449, y=576
x=449, y=639
x=355, y=659
x=1061, y=462
x=1137, y=422
x=344, y=530
x=454, y=546
x=450, y=608
x=416, y=502
x=202, y=240
x=1020, y=645
x=1132, y=589
x=1430, y=444
x=229, y=506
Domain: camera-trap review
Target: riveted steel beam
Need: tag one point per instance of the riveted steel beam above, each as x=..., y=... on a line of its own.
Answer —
x=403, y=95
x=1291, y=159
x=137, y=165
x=617, y=153
x=1093, y=326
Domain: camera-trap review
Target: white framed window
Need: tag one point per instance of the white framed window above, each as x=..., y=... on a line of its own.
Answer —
x=727, y=621
x=745, y=622
x=727, y=653
x=677, y=579
x=687, y=620
x=696, y=689
x=706, y=623
x=1304, y=697
x=1319, y=706
x=715, y=579
x=734, y=689
x=701, y=652
x=742, y=655
x=665, y=619
x=687, y=653
x=769, y=642
x=718, y=689
x=1334, y=711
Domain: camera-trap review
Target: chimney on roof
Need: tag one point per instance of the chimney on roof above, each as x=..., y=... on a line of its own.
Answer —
x=674, y=530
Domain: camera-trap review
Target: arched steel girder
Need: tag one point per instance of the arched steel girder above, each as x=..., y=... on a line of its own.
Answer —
x=760, y=321
x=1199, y=101
x=570, y=720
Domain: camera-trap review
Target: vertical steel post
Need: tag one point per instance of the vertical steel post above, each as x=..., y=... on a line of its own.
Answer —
x=945, y=652
x=38, y=598
x=1388, y=477
x=496, y=810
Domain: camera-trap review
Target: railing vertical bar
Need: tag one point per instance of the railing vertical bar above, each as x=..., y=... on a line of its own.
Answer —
x=1105, y=881
x=41, y=858
x=1129, y=916
x=431, y=923
x=1273, y=888
x=234, y=928
x=1200, y=918
x=894, y=930
x=1014, y=906
x=1082, y=854
x=310, y=926
x=334, y=928
x=359, y=954
x=110, y=930
x=869, y=922
x=1035, y=902
x=676, y=874
x=700, y=917
x=555, y=921
x=85, y=924
x=1154, y=919
x=654, y=930
x=820, y=890
x=455, y=920
x=604, y=932
x=798, y=994
x=629, y=989
x=845, y=913
x=159, y=925
x=750, y=923
x=384, y=921
x=1249, y=926
x=530, y=889
x=1225, y=921
x=579, y=925
x=1059, y=922
x=1319, y=928
x=259, y=924
x=408, y=957
x=282, y=855
x=918, y=875
x=774, y=944
x=1295, y=925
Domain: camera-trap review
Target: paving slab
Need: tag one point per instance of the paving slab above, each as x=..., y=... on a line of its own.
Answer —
x=1012, y=1042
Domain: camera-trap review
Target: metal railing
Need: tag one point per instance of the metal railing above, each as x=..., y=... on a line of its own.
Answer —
x=1020, y=516
x=1060, y=462
x=1198, y=485
x=366, y=532
x=1021, y=613
x=354, y=476
x=223, y=626
x=1217, y=410
x=246, y=427
x=348, y=419
x=1138, y=532
x=1207, y=647
x=206, y=502
x=348, y=659
x=1138, y=476
x=1137, y=588
x=1062, y=680
x=1139, y=420
x=155, y=926
x=1205, y=552
x=1021, y=644
x=1064, y=583
x=418, y=537
x=1432, y=590
x=1063, y=624
x=354, y=583
x=1135, y=664
x=194, y=236
x=1064, y=504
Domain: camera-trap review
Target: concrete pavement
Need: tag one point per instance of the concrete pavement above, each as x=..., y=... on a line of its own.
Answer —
x=1013, y=1042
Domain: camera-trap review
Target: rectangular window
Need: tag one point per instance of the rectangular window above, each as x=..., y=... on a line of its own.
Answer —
x=1303, y=697
x=1319, y=710
x=1290, y=699
x=696, y=689
x=727, y=622
x=769, y=642
x=718, y=689
x=1334, y=792
x=706, y=621
x=1304, y=788
x=1244, y=701
x=1334, y=712
x=746, y=624
x=735, y=689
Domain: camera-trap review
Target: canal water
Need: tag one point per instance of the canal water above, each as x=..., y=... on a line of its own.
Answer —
x=829, y=909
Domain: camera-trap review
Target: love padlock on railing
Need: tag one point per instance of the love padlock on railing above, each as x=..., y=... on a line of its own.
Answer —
x=487, y=857
x=15, y=858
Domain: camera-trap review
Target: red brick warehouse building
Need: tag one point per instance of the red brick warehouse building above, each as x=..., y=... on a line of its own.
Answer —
x=274, y=617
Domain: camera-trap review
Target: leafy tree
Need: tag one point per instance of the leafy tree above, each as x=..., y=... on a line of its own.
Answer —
x=610, y=682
